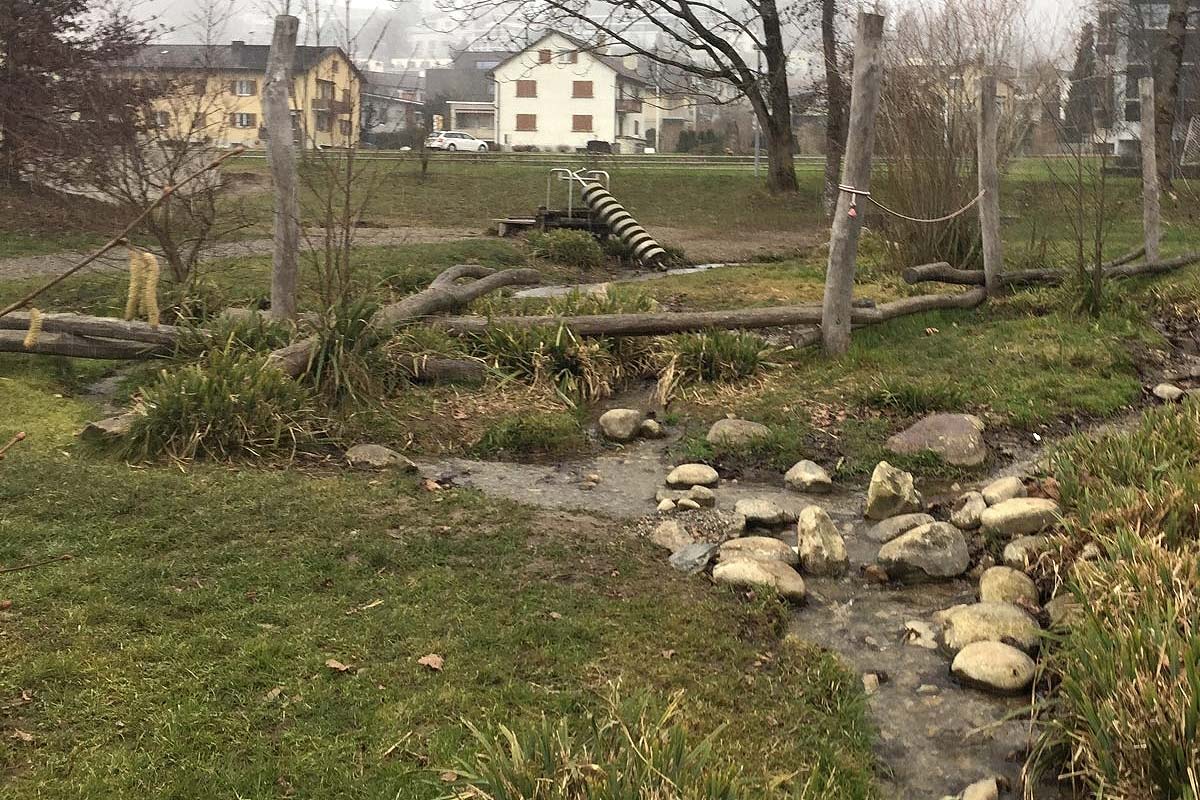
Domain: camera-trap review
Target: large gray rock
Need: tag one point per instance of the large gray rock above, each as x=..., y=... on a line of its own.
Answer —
x=1003, y=489
x=1007, y=585
x=621, y=424
x=757, y=511
x=702, y=496
x=734, y=432
x=889, y=529
x=1025, y=550
x=995, y=667
x=982, y=790
x=769, y=574
x=821, y=548
x=1019, y=517
x=955, y=438
x=651, y=429
x=968, y=512
x=809, y=477
x=990, y=622
x=693, y=559
x=375, y=456
x=932, y=551
x=891, y=493
x=1168, y=392
x=110, y=429
x=688, y=475
x=671, y=536
x=758, y=548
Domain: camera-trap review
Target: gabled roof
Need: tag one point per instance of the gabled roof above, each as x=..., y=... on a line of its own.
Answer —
x=614, y=63
x=225, y=57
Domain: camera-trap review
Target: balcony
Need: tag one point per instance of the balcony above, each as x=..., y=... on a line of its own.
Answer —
x=629, y=105
x=329, y=104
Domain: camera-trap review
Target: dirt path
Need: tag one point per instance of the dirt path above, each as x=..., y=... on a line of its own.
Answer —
x=935, y=736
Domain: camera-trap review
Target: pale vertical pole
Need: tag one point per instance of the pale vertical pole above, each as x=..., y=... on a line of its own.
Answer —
x=856, y=173
x=1151, y=197
x=757, y=126
x=989, y=184
x=281, y=153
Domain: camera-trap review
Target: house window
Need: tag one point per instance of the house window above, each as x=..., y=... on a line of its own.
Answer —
x=324, y=121
x=526, y=88
x=162, y=118
x=636, y=125
x=324, y=90
x=344, y=127
x=569, y=56
x=243, y=120
x=544, y=56
x=245, y=88
x=581, y=89
x=581, y=123
x=527, y=122
x=336, y=66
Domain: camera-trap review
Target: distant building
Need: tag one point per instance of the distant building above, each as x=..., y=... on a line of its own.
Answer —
x=558, y=93
x=1128, y=35
x=214, y=93
x=391, y=103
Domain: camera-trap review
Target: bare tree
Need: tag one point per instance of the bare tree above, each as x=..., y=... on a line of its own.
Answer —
x=1168, y=73
x=837, y=101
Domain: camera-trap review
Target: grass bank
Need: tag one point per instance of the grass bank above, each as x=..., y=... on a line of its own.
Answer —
x=184, y=650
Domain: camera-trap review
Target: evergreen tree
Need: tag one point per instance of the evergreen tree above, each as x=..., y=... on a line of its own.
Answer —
x=1083, y=95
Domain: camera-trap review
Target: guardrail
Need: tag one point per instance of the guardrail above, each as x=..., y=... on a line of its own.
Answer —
x=642, y=161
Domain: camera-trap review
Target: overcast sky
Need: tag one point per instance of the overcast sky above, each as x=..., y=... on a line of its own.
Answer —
x=1051, y=18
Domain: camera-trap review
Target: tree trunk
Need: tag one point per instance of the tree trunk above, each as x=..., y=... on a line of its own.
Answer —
x=989, y=183
x=1166, y=82
x=776, y=115
x=847, y=223
x=277, y=115
x=835, y=102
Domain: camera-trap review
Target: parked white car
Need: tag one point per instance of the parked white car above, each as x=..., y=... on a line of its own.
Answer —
x=455, y=140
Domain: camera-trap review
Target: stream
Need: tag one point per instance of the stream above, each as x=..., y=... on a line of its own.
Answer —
x=596, y=288
x=935, y=737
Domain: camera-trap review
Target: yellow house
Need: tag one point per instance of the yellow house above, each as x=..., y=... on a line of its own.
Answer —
x=214, y=93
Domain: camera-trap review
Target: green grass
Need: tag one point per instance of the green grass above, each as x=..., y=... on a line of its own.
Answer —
x=526, y=435
x=181, y=651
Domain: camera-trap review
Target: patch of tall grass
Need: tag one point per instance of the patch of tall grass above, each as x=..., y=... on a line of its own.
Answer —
x=1124, y=716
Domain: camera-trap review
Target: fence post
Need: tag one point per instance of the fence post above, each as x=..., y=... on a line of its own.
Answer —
x=856, y=172
x=1151, y=211
x=989, y=184
x=277, y=117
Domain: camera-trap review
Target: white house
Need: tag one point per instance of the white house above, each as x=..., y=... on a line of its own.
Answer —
x=558, y=94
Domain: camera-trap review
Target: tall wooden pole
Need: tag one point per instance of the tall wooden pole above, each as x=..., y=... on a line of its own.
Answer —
x=989, y=184
x=281, y=154
x=856, y=173
x=1151, y=211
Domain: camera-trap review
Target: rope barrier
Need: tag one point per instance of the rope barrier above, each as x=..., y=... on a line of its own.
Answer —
x=857, y=193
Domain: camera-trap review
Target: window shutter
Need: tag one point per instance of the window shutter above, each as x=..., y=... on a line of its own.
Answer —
x=233, y=120
x=253, y=88
x=233, y=87
x=252, y=119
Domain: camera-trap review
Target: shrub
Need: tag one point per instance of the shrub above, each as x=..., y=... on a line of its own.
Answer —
x=631, y=750
x=252, y=333
x=547, y=434
x=229, y=405
x=348, y=363
x=715, y=357
x=569, y=248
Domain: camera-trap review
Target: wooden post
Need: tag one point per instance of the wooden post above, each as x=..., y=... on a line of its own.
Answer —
x=281, y=153
x=1151, y=212
x=856, y=172
x=989, y=184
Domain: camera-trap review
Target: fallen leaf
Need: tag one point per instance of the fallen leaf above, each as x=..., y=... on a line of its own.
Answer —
x=273, y=694
x=433, y=661
x=21, y=735
x=431, y=485
x=555, y=615
x=337, y=666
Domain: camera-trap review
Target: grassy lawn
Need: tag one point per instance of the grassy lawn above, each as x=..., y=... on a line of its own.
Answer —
x=181, y=651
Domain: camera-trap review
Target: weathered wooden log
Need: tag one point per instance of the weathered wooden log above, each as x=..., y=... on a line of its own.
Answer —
x=1118, y=268
x=103, y=327
x=687, y=321
x=443, y=294
x=68, y=344
x=434, y=369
